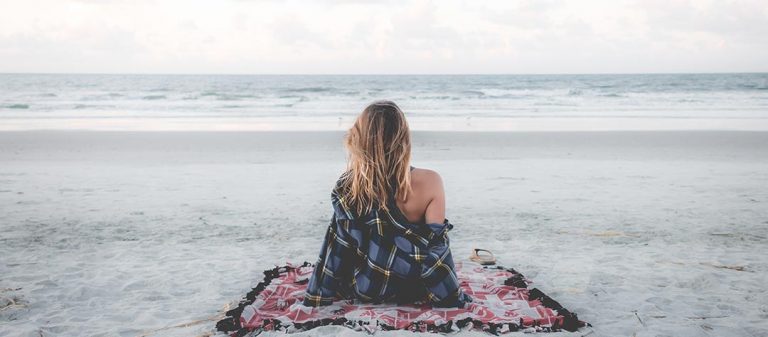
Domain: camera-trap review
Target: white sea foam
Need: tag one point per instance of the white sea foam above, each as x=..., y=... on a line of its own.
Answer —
x=170, y=102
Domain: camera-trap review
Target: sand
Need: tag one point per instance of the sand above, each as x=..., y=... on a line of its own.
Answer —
x=122, y=233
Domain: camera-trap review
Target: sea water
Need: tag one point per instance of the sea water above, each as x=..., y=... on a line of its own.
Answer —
x=137, y=102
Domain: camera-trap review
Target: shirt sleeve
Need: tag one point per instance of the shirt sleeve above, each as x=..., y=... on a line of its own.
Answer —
x=439, y=273
x=334, y=268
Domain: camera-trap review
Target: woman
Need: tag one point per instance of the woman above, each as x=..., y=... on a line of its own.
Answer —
x=387, y=238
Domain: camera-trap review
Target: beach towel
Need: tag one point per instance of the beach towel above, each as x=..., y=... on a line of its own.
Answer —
x=502, y=302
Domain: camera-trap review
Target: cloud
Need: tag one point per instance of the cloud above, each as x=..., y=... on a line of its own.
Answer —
x=739, y=20
x=360, y=36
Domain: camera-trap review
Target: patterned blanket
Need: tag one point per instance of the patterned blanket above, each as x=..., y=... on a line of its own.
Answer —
x=502, y=302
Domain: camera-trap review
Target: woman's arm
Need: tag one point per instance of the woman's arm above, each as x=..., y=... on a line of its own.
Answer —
x=435, y=212
x=438, y=272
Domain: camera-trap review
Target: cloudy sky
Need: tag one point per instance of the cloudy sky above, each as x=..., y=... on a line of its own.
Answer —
x=371, y=37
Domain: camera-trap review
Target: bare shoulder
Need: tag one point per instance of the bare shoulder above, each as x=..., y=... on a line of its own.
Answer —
x=429, y=195
x=426, y=179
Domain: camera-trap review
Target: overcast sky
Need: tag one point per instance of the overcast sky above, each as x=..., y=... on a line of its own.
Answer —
x=371, y=37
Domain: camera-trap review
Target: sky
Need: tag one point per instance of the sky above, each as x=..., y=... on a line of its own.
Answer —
x=383, y=37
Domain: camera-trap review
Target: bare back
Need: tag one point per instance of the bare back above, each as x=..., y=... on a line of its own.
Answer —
x=426, y=204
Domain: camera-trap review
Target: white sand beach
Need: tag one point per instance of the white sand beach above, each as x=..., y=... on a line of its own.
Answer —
x=123, y=233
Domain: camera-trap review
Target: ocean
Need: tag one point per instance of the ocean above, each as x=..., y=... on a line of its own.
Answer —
x=81, y=101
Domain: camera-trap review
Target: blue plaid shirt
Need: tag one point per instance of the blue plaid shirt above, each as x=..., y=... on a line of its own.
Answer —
x=382, y=257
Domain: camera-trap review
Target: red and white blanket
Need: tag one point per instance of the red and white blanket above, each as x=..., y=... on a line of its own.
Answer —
x=502, y=302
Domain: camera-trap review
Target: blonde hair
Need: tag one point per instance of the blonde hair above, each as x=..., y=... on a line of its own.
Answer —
x=379, y=145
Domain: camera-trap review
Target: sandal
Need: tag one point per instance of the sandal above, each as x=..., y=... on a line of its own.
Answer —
x=482, y=259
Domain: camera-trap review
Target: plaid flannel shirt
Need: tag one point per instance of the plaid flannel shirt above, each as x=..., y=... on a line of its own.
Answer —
x=382, y=257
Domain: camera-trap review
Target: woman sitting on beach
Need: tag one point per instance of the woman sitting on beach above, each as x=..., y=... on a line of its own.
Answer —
x=387, y=240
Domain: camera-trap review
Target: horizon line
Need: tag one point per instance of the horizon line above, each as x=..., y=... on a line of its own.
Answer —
x=380, y=74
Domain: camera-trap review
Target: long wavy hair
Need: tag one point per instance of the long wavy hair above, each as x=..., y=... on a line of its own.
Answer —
x=379, y=146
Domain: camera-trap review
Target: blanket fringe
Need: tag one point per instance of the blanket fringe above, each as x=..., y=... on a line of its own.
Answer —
x=231, y=324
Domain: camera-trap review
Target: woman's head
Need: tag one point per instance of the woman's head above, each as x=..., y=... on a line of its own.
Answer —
x=379, y=145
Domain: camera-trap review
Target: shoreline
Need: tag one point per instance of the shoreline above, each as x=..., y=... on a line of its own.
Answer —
x=447, y=124
x=428, y=140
